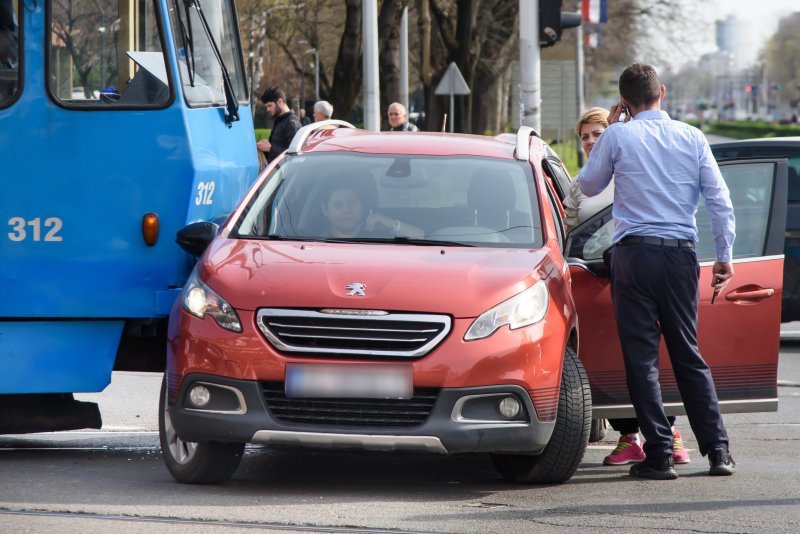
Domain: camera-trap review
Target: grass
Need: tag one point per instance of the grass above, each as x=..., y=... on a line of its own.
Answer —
x=748, y=129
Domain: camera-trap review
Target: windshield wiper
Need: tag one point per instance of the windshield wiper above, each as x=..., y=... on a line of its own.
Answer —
x=399, y=240
x=188, y=42
x=231, y=103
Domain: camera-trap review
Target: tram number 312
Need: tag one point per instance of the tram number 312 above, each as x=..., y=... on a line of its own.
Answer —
x=33, y=230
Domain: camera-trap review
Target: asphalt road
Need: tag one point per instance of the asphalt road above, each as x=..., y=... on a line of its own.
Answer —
x=114, y=480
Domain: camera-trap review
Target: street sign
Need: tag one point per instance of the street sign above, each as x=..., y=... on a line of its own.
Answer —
x=452, y=83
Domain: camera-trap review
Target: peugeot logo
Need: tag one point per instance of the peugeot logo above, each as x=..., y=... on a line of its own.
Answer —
x=356, y=289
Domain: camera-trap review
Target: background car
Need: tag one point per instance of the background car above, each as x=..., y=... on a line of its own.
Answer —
x=778, y=147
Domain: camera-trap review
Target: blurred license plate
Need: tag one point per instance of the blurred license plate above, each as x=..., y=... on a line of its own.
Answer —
x=349, y=381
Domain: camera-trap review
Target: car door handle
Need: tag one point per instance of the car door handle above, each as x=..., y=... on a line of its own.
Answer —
x=750, y=294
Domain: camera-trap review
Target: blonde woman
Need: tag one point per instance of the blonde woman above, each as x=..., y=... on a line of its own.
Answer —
x=577, y=206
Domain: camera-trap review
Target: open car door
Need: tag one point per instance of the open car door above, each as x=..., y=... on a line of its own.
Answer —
x=739, y=335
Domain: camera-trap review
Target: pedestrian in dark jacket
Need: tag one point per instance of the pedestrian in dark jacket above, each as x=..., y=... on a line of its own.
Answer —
x=284, y=127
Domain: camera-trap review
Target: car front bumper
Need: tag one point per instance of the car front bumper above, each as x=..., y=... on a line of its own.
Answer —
x=460, y=420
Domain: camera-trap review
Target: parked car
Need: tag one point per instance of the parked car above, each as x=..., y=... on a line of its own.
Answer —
x=417, y=292
x=778, y=147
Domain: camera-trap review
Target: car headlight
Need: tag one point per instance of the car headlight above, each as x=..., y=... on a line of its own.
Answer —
x=200, y=300
x=523, y=309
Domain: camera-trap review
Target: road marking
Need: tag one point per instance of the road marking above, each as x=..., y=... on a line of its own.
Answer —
x=104, y=449
x=92, y=433
x=215, y=522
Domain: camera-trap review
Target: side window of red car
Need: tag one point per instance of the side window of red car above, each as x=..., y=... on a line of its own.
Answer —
x=558, y=215
x=750, y=185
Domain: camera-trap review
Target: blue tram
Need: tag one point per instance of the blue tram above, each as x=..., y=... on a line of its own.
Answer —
x=120, y=122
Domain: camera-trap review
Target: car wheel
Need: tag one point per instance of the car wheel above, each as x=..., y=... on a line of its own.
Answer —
x=599, y=430
x=190, y=462
x=560, y=458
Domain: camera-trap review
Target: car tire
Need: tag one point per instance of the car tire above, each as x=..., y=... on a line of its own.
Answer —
x=598, y=430
x=560, y=458
x=194, y=463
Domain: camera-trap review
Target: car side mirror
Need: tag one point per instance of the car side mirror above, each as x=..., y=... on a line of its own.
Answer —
x=195, y=238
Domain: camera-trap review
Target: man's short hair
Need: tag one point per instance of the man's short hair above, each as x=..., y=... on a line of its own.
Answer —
x=324, y=107
x=272, y=94
x=639, y=84
x=400, y=107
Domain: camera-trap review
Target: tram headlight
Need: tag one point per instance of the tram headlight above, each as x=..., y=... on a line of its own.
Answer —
x=200, y=300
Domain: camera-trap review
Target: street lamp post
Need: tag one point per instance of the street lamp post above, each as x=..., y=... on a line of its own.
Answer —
x=102, y=30
x=303, y=75
x=316, y=75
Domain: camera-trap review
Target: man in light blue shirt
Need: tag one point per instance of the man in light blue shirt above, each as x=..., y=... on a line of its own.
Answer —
x=660, y=168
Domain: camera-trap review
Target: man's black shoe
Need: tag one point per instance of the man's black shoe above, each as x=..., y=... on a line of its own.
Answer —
x=657, y=469
x=721, y=462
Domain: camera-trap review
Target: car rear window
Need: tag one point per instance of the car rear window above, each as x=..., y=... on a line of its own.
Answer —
x=462, y=200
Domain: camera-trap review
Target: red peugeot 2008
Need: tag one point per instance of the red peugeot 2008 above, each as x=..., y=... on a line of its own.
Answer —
x=395, y=291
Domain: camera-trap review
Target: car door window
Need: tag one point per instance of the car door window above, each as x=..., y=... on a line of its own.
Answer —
x=557, y=219
x=751, y=188
x=554, y=168
x=588, y=240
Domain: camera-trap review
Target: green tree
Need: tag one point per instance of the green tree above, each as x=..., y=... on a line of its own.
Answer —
x=782, y=55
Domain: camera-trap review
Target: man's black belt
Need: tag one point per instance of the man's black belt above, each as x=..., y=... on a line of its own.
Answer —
x=660, y=241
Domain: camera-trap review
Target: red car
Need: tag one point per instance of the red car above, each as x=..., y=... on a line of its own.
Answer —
x=416, y=292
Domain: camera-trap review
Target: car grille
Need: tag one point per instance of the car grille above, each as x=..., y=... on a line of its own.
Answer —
x=353, y=332
x=350, y=412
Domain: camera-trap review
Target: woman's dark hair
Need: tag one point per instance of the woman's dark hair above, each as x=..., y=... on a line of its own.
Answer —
x=639, y=85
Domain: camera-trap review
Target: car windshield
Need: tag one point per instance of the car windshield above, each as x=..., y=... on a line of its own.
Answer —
x=459, y=200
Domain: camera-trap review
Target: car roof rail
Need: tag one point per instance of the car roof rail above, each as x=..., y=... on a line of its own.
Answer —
x=523, y=151
x=302, y=135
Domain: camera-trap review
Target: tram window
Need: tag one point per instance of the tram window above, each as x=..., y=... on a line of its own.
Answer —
x=9, y=51
x=200, y=72
x=107, y=54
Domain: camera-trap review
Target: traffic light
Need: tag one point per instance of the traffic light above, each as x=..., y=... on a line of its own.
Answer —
x=552, y=21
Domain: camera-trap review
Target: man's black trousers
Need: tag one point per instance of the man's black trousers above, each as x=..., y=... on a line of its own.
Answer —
x=654, y=291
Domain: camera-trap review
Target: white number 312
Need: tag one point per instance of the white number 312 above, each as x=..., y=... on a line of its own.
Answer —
x=22, y=229
x=205, y=192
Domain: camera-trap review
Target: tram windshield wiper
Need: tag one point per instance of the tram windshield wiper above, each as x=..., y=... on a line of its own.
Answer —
x=231, y=103
x=185, y=29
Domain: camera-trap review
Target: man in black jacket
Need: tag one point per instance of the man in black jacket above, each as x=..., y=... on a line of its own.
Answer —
x=284, y=127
